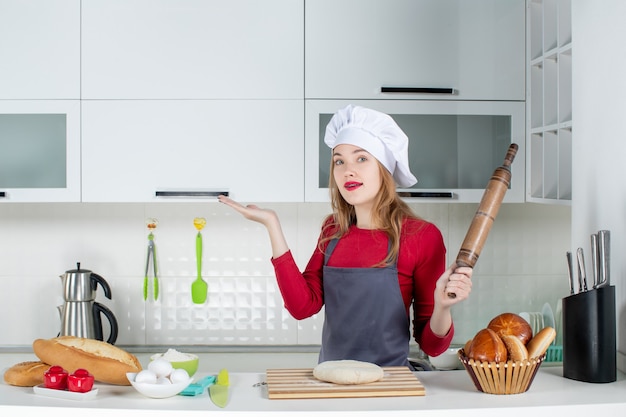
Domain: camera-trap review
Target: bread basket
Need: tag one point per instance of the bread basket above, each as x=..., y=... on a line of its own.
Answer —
x=501, y=378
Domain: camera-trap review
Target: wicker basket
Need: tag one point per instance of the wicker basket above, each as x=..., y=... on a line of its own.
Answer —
x=502, y=378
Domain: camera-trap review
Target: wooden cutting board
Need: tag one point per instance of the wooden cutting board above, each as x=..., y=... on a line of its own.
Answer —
x=398, y=381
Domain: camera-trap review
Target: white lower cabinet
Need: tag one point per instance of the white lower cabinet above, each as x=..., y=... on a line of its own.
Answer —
x=134, y=150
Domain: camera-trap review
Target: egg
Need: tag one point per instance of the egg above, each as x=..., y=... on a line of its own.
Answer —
x=146, y=377
x=160, y=367
x=179, y=375
x=163, y=381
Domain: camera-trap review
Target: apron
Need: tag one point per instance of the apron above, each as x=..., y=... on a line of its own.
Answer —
x=365, y=318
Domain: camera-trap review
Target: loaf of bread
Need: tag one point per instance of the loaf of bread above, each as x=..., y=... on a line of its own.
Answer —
x=516, y=350
x=511, y=324
x=26, y=374
x=106, y=362
x=540, y=342
x=487, y=346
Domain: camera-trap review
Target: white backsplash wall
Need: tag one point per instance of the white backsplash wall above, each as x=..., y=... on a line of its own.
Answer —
x=522, y=266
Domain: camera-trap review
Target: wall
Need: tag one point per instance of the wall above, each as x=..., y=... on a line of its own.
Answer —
x=599, y=88
x=521, y=268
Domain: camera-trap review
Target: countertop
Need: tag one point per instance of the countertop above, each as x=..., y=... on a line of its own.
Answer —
x=447, y=393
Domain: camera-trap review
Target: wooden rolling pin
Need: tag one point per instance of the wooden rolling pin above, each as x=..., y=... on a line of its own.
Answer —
x=486, y=213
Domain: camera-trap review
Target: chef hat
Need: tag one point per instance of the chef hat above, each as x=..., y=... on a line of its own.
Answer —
x=375, y=132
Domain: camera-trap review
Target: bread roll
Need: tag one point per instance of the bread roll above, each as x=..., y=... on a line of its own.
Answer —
x=26, y=374
x=107, y=363
x=487, y=346
x=540, y=343
x=512, y=324
x=466, y=347
x=516, y=350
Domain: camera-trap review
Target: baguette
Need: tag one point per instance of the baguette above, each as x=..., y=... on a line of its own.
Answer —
x=107, y=363
x=26, y=374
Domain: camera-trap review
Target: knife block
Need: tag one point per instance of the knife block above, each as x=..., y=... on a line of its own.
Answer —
x=589, y=328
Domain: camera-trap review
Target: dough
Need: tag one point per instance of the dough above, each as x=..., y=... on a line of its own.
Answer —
x=348, y=372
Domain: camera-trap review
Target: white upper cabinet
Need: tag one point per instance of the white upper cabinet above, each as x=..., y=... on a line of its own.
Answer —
x=192, y=49
x=145, y=150
x=39, y=151
x=40, y=49
x=356, y=47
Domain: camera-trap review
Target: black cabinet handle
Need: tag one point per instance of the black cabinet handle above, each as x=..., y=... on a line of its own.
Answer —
x=2, y=194
x=418, y=90
x=191, y=194
x=426, y=194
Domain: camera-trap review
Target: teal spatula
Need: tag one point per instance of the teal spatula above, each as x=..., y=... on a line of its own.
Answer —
x=199, y=287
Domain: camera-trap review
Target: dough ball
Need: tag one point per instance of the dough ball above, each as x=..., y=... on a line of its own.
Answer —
x=348, y=372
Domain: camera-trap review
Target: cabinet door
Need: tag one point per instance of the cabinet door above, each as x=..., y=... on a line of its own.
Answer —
x=454, y=146
x=192, y=49
x=40, y=49
x=251, y=148
x=356, y=47
x=39, y=151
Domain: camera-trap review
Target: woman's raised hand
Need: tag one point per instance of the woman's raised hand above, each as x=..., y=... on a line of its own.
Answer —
x=250, y=211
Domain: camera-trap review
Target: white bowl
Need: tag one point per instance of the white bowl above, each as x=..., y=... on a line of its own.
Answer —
x=157, y=390
x=448, y=360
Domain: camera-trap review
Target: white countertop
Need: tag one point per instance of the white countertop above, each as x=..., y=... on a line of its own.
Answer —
x=447, y=393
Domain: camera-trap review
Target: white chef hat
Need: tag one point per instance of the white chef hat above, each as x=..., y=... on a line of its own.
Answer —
x=375, y=132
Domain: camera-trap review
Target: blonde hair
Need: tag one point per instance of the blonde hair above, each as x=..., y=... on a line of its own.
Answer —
x=388, y=213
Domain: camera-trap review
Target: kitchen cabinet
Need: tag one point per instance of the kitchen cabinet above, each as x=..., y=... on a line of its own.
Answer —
x=39, y=150
x=40, y=49
x=454, y=146
x=355, y=47
x=549, y=102
x=133, y=149
x=192, y=49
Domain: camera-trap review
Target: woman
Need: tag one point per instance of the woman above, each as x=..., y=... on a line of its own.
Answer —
x=374, y=257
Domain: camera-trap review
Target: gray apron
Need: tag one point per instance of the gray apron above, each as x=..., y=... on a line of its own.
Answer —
x=365, y=318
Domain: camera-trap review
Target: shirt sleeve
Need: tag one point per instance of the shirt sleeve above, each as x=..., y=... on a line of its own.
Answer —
x=302, y=292
x=430, y=262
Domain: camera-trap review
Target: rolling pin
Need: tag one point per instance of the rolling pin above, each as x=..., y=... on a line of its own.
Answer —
x=486, y=213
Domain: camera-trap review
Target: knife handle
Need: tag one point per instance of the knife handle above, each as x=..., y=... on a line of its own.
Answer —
x=582, y=273
x=570, y=271
x=595, y=266
x=604, y=257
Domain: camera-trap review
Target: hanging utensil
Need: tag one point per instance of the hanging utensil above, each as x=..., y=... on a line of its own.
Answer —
x=151, y=224
x=199, y=287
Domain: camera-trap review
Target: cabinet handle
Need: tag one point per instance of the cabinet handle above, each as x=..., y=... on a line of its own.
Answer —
x=418, y=90
x=2, y=194
x=191, y=194
x=426, y=194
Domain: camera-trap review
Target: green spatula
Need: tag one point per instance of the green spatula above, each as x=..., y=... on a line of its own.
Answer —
x=199, y=287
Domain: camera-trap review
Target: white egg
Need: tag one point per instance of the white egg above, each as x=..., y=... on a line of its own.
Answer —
x=146, y=377
x=160, y=367
x=163, y=381
x=179, y=375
